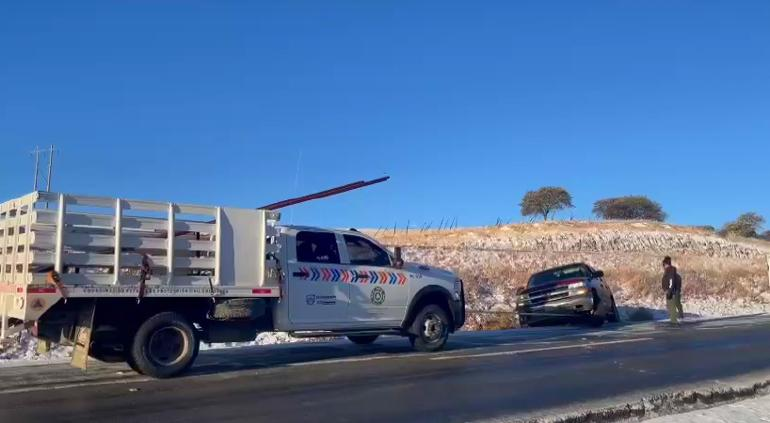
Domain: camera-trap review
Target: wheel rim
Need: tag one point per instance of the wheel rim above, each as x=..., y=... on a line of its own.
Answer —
x=433, y=327
x=167, y=346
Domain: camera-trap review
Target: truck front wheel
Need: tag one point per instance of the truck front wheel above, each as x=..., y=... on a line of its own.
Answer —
x=165, y=345
x=432, y=329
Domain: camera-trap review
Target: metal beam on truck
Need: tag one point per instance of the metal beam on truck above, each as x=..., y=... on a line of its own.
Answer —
x=323, y=194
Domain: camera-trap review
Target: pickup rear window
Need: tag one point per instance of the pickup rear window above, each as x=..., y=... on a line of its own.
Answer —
x=317, y=247
x=556, y=275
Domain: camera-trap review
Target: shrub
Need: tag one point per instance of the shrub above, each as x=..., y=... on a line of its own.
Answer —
x=629, y=208
x=746, y=225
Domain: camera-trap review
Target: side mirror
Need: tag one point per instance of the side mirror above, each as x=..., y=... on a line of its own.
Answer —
x=398, y=261
x=599, y=274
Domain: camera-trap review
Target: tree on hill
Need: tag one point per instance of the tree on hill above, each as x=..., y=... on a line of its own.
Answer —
x=746, y=225
x=545, y=201
x=629, y=208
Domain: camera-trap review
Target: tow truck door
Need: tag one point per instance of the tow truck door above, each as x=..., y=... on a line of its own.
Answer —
x=378, y=291
x=315, y=296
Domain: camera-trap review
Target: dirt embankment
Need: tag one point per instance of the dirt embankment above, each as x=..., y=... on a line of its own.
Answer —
x=721, y=276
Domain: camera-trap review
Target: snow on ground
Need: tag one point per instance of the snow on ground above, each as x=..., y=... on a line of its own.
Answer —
x=700, y=307
x=752, y=410
x=22, y=348
x=265, y=338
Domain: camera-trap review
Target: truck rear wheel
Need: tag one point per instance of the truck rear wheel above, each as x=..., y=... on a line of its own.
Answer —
x=362, y=339
x=432, y=325
x=165, y=345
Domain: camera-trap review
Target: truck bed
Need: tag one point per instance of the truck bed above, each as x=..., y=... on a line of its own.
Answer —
x=97, y=246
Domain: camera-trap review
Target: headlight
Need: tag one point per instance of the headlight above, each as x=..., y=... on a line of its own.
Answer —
x=577, y=288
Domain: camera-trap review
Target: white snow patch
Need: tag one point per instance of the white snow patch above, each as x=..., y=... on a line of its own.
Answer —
x=264, y=338
x=22, y=348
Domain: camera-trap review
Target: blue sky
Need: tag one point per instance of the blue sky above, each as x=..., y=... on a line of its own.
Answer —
x=466, y=105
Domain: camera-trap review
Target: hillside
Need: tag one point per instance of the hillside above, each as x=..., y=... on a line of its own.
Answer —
x=721, y=276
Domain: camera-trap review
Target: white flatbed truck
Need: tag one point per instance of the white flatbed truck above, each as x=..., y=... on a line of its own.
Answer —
x=145, y=282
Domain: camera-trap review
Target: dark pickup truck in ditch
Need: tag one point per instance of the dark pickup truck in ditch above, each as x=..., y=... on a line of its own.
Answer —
x=573, y=293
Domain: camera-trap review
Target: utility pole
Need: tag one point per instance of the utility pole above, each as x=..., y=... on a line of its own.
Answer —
x=37, y=152
x=50, y=168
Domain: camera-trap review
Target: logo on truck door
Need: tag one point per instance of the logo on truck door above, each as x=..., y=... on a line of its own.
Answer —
x=377, y=296
x=313, y=299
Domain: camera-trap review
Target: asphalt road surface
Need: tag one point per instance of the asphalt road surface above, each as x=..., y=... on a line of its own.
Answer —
x=481, y=375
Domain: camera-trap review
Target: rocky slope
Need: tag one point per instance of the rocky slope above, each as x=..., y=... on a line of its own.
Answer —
x=495, y=261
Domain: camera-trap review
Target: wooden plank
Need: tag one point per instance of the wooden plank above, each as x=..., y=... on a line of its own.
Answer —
x=83, y=332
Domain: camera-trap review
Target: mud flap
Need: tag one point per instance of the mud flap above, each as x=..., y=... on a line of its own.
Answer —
x=83, y=332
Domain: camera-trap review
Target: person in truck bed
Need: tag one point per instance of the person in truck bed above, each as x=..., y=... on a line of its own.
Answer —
x=672, y=286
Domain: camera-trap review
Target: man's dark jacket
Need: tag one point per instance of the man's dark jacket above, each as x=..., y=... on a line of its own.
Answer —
x=672, y=282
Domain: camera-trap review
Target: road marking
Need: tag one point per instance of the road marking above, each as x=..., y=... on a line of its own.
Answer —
x=534, y=350
x=352, y=360
x=72, y=385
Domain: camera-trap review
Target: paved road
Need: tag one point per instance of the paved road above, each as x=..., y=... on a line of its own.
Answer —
x=481, y=375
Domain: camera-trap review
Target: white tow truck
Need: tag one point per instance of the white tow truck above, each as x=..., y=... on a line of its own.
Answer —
x=145, y=282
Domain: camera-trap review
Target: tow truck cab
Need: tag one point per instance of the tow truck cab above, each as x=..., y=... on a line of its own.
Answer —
x=346, y=282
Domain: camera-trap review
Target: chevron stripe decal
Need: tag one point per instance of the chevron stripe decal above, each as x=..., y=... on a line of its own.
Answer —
x=327, y=274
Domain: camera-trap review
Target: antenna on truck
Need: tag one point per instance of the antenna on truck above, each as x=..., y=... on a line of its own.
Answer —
x=323, y=194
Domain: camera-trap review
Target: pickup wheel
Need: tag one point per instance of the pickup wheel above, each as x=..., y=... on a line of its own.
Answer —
x=432, y=325
x=362, y=339
x=165, y=345
x=614, y=315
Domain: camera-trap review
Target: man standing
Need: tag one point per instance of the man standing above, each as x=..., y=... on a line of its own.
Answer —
x=672, y=286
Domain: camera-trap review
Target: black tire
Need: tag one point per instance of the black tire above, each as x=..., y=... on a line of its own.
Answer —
x=431, y=327
x=132, y=364
x=165, y=345
x=614, y=315
x=363, y=339
x=596, y=321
